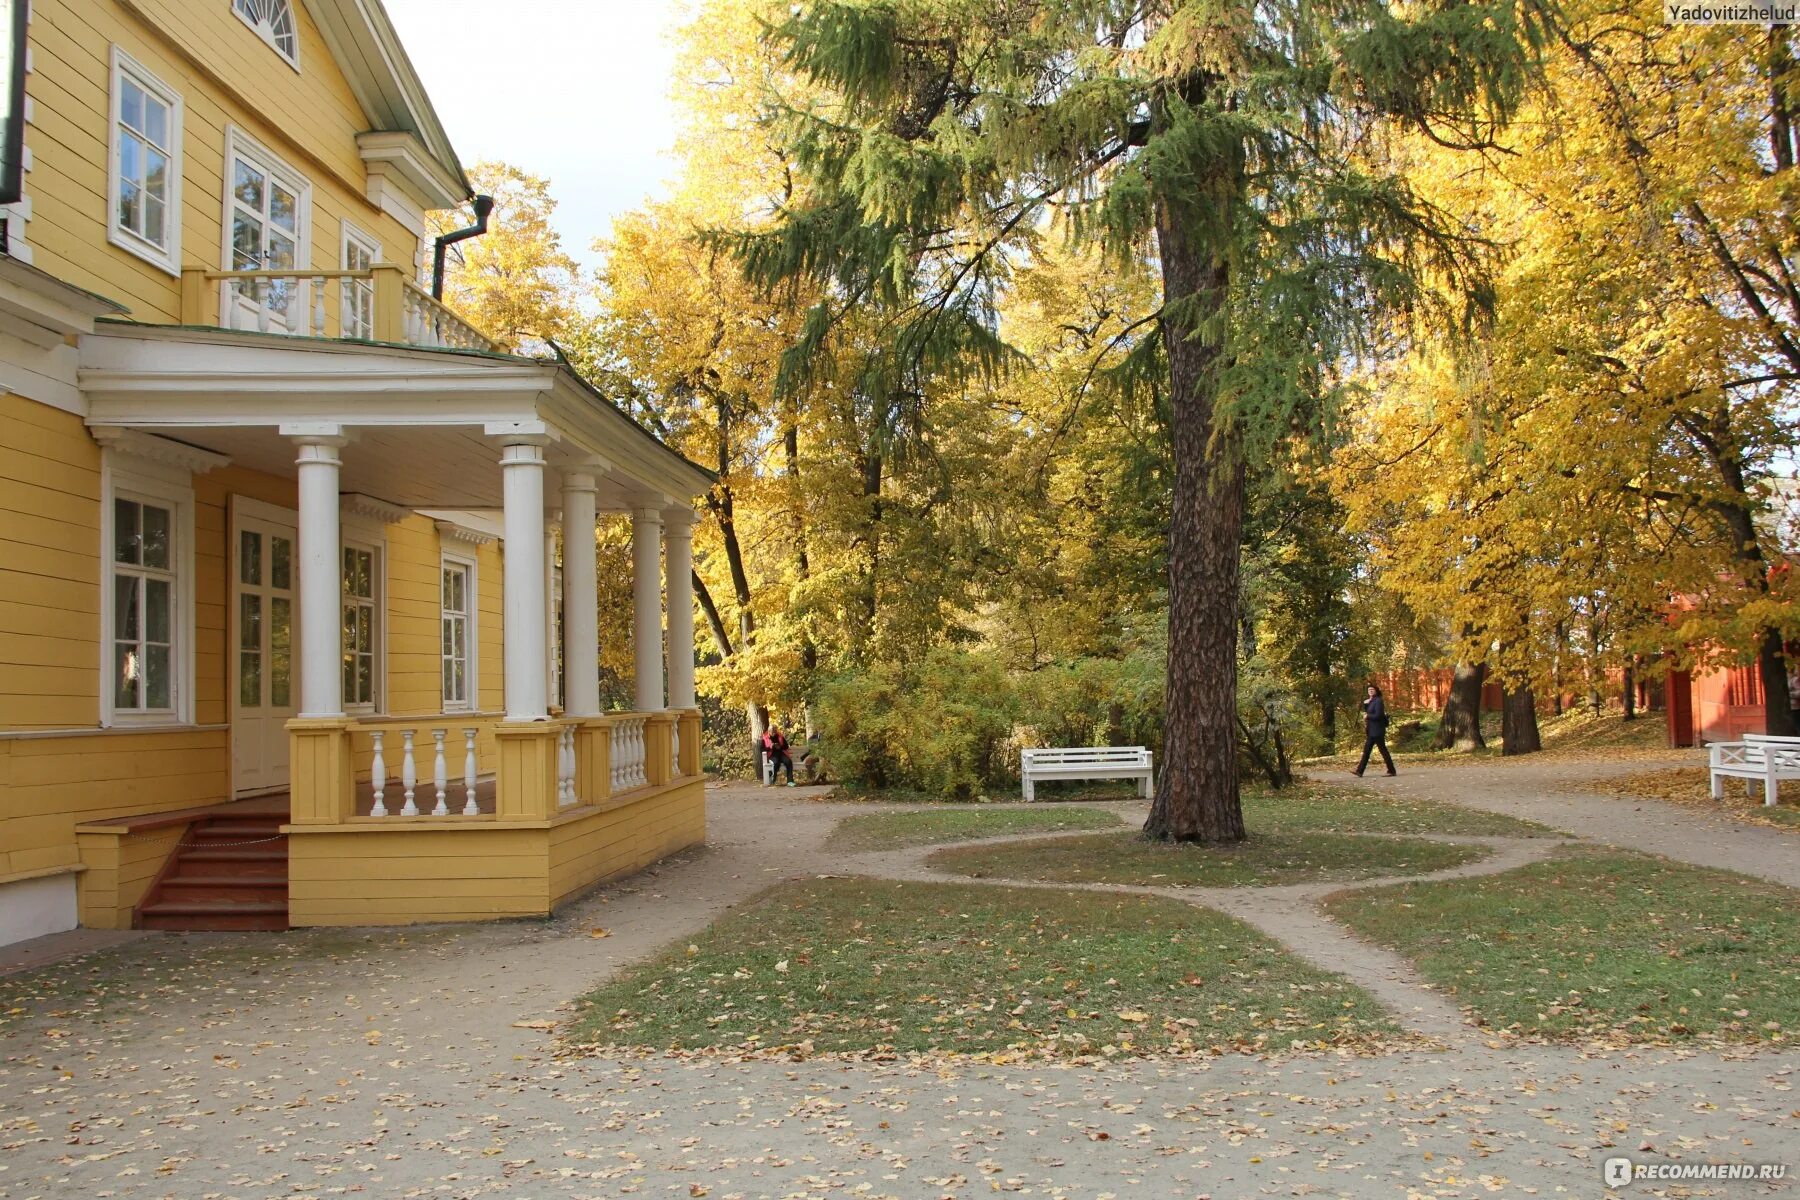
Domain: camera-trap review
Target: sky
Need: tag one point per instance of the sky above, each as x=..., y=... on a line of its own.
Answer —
x=574, y=90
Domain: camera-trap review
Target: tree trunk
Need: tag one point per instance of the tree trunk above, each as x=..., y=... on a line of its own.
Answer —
x=1629, y=692
x=809, y=652
x=1558, y=642
x=1778, y=713
x=865, y=604
x=1328, y=720
x=1461, y=725
x=1518, y=722
x=1197, y=796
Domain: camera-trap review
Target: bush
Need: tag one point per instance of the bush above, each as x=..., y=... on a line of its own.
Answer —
x=943, y=725
x=953, y=724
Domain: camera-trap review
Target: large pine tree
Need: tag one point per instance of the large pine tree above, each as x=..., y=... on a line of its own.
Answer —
x=1241, y=147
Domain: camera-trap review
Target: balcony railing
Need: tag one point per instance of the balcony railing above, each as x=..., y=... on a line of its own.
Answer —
x=380, y=304
x=476, y=767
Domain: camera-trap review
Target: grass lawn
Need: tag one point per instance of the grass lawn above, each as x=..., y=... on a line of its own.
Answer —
x=1063, y=791
x=854, y=965
x=1335, y=808
x=893, y=830
x=1601, y=944
x=1692, y=786
x=1575, y=734
x=1266, y=858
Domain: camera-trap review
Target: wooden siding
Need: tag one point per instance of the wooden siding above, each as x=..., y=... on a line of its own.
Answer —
x=402, y=876
x=50, y=785
x=625, y=839
x=225, y=75
x=49, y=571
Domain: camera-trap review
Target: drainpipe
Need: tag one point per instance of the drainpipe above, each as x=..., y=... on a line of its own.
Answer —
x=483, y=206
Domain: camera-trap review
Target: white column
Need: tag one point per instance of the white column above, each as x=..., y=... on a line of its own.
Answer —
x=580, y=598
x=522, y=480
x=646, y=606
x=678, y=560
x=321, y=574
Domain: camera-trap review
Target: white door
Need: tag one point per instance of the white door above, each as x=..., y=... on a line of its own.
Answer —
x=265, y=566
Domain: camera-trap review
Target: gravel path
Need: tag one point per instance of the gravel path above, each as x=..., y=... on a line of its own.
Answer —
x=1542, y=790
x=403, y=1063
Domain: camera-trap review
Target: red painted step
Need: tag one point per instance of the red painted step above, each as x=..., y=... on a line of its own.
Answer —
x=229, y=872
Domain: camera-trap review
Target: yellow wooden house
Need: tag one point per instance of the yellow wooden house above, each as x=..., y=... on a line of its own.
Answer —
x=285, y=633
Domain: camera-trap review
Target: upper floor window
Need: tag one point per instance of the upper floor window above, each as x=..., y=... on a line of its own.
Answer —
x=145, y=175
x=360, y=254
x=274, y=21
x=267, y=208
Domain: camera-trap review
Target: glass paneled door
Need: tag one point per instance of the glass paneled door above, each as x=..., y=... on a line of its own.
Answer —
x=262, y=656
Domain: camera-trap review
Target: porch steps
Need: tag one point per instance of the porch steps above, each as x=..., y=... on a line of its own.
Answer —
x=229, y=873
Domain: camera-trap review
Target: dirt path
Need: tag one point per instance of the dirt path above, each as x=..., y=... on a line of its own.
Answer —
x=392, y=1063
x=1542, y=790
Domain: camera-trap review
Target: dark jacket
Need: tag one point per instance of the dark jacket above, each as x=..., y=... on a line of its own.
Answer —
x=1375, y=717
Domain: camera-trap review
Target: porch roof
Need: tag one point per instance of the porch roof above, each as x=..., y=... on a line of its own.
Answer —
x=422, y=421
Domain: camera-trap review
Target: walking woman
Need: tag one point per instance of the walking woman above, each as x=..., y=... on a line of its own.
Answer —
x=1375, y=731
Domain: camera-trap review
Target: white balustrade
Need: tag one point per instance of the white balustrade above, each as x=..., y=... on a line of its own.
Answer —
x=409, y=774
x=378, y=776
x=675, y=749
x=628, y=754
x=470, y=808
x=294, y=302
x=440, y=777
x=565, y=766
x=442, y=748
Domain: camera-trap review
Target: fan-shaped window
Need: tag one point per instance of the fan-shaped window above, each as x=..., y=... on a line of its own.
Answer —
x=274, y=20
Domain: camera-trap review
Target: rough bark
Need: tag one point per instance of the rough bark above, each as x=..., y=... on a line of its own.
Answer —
x=1736, y=514
x=809, y=652
x=1628, y=693
x=1461, y=725
x=866, y=604
x=1197, y=796
x=1518, y=722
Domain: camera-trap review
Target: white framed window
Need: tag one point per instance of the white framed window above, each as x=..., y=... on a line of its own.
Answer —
x=457, y=640
x=268, y=209
x=362, y=625
x=147, y=593
x=359, y=252
x=273, y=21
x=144, y=176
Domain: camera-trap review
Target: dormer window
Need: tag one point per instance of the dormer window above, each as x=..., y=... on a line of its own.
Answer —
x=273, y=20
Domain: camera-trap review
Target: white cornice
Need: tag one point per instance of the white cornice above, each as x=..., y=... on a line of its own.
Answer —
x=357, y=504
x=158, y=449
x=41, y=309
x=398, y=157
x=462, y=533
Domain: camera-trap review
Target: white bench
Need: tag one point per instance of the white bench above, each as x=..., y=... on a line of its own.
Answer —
x=1085, y=762
x=1758, y=756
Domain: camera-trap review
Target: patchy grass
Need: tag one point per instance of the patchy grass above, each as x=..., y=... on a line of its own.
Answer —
x=855, y=966
x=1601, y=944
x=1577, y=733
x=893, y=830
x=1262, y=860
x=1334, y=808
x=1692, y=786
x=1062, y=791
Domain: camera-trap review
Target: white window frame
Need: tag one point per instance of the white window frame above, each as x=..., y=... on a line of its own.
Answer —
x=268, y=34
x=239, y=144
x=471, y=637
x=165, y=258
x=126, y=477
x=348, y=236
x=359, y=535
